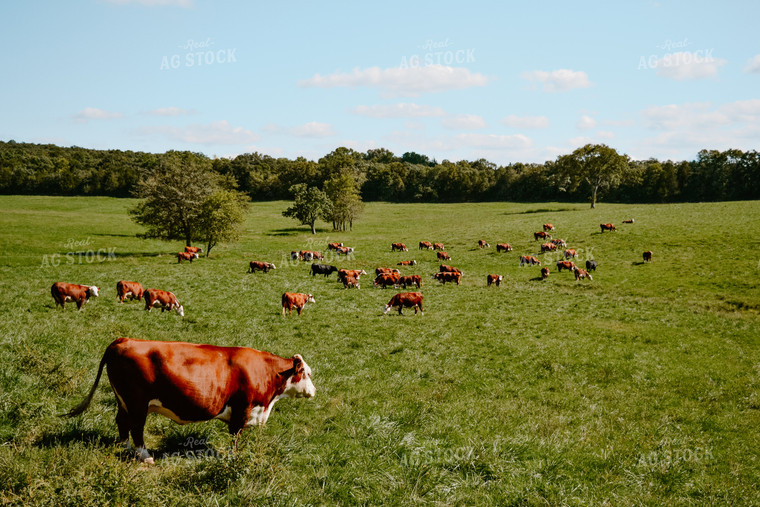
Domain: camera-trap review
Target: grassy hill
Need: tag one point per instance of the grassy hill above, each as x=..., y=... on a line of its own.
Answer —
x=641, y=386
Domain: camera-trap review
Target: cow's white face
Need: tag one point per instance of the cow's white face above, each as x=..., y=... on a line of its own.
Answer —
x=303, y=388
x=180, y=310
x=310, y=299
x=195, y=256
x=93, y=290
x=501, y=277
x=273, y=266
x=386, y=309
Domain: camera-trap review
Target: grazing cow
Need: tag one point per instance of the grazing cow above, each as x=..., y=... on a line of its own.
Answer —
x=568, y=265
x=80, y=294
x=548, y=227
x=385, y=279
x=344, y=250
x=559, y=242
x=648, y=256
x=406, y=263
x=503, y=247
x=483, y=244
x=309, y=255
x=629, y=221
x=581, y=273
x=495, y=279
x=322, y=269
x=193, y=249
x=350, y=281
x=166, y=300
x=405, y=300
x=260, y=266
x=294, y=255
x=186, y=256
x=386, y=271
x=426, y=245
x=590, y=265
x=438, y=246
x=444, y=269
x=541, y=235
x=354, y=273
x=529, y=259
x=410, y=280
x=399, y=246
x=548, y=247
x=443, y=256
x=334, y=246
x=570, y=253
x=297, y=300
x=544, y=273
x=131, y=290
x=187, y=382
x=448, y=276
x=607, y=227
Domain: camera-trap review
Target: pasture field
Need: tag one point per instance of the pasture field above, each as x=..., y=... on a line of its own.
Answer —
x=641, y=387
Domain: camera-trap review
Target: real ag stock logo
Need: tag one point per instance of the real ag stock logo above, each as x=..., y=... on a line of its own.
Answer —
x=198, y=54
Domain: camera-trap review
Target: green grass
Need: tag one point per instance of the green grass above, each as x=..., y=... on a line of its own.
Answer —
x=639, y=387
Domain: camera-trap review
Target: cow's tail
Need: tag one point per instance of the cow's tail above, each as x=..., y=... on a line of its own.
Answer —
x=86, y=402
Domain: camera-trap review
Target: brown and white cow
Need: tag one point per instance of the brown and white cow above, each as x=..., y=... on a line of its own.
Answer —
x=541, y=235
x=494, y=279
x=568, y=265
x=581, y=273
x=344, y=250
x=407, y=263
x=399, y=246
x=426, y=245
x=548, y=227
x=483, y=244
x=410, y=280
x=544, y=273
x=448, y=276
x=529, y=259
x=607, y=227
x=648, y=256
x=559, y=242
x=295, y=300
x=628, y=221
x=405, y=300
x=166, y=300
x=334, y=246
x=385, y=271
x=443, y=256
x=188, y=382
x=354, y=273
x=131, y=290
x=445, y=268
x=570, y=253
x=350, y=281
x=387, y=279
x=80, y=294
x=193, y=249
x=186, y=256
x=548, y=247
x=438, y=246
x=260, y=266
x=503, y=247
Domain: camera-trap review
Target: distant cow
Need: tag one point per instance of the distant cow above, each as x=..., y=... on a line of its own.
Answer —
x=344, y=250
x=548, y=247
x=544, y=273
x=559, y=242
x=438, y=246
x=295, y=255
x=405, y=300
x=131, y=290
x=648, y=256
x=193, y=249
x=295, y=300
x=503, y=247
x=187, y=382
x=570, y=253
x=309, y=255
x=334, y=246
x=483, y=244
x=385, y=279
x=407, y=263
x=494, y=279
x=165, y=299
x=444, y=269
x=568, y=265
x=607, y=227
x=548, y=227
x=186, y=256
x=354, y=273
x=581, y=273
x=322, y=269
x=383, y=271
x=350, y=281
x=541, y=235
x=399, y=246
x=260, y=266
x=529, y=259
x=448, y=276
x=590, y=265
x=426, y=245
x=443, y=256
x=80, y=294
x=628, y=221
x=415, y=280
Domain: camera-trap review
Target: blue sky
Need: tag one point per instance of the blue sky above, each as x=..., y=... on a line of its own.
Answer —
x=506, y=81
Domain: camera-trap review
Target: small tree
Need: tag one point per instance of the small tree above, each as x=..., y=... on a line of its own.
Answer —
x=343, y=192
x=597, y=165
x=220, y=217
x=310, y=204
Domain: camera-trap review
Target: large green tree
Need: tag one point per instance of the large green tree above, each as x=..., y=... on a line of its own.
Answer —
x=310, y=203
x=346, y=202
x=221, y=216
x=596, y=165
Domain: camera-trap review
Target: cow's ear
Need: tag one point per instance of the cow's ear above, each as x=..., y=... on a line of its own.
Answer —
x=298, y=363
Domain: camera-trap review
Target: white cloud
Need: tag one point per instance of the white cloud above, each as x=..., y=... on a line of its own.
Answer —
x=753, y=65
x=526, y=122
x=586, y=123
x=396, y=81
x=313, y=129
x=464, y=122
x=688, y=115
x=560, y=80
x=605, y=134
x=401, y=110
x=685, y=65
x=169, y=111
x=218, y=132
x=517, y=141
x=187, y=4
x=93, y=113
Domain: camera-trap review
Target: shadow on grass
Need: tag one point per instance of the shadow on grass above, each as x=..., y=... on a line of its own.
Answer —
x=293, y=231
x=540, y=210
x=71, y=434
x=193, y=445
x=116, y=235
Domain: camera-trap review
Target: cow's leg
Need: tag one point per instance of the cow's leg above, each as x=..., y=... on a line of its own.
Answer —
x=122, y=422
x=298, y=309
x=137, y=427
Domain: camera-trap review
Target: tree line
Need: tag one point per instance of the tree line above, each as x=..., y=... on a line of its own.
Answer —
x=380, y=175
